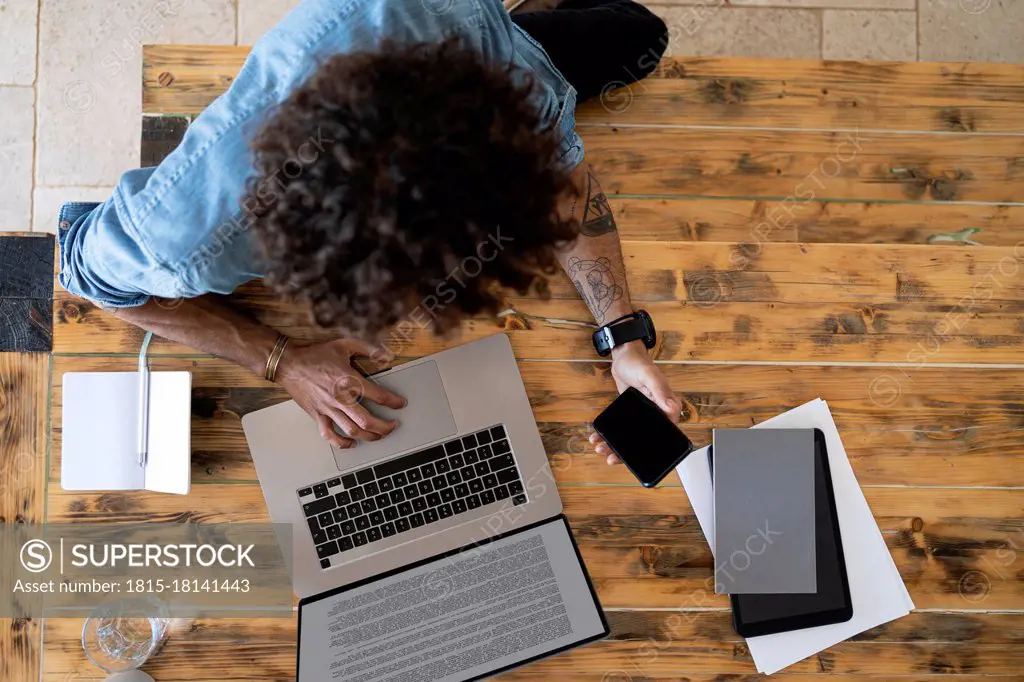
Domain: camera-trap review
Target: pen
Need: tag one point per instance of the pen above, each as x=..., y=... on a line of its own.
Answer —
x=144, y=403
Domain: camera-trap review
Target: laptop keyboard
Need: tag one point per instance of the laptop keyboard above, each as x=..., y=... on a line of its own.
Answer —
x=412, y=491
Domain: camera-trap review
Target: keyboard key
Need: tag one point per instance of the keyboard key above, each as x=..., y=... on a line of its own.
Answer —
x=497, y=432
x=462, y=490
x=501, y=492
x=320, y=490
x=402, y=525
x=476, y=485
x=419, y=504
x=416, y=520
x=373, y=534
x=433, y=499
x=319, y=536
x=340, y=515
x=343, y=498
x=453, y=477
x=397, y=496
x=414, y=475
x=314, y=525
x=349, y=480
x=382, y=501
x=365, y=476
x=459, y=506
x=409, y=462
x=345, y=544
x=453, y=447
x=334, y=532
x=325, y=519
x=444, y=511
x=391, y=513
x=507, y=475
x=519, y=499
x=410, y=491
x=480, y=468
x=515, y=487
x=501, y=462
x=467, y=473
x=358, y=494
x=327, y=549
x=457, y=461
x=487, y=497
x=334, y=483
x=473, y=501
x=501, y=447
x=428, y=470
x=443, y=466
x=425, y=487
x=371, y=489
x=439, y=482
x=471, y=457
x=483, y=437
x=448, y=494
x=348, y=527
x=388, y=529
x=305, y=491
x=400, y=479
x=369, y=506
x=325, y=563
x=485, y=452
x=469, y=441
x=405, y=509
x=386, y=484
x=377, y=518
x=359, y=539
x=319, y=506
x=354, y=509
x=362, y=522
x=430, y=515
x=490, y=481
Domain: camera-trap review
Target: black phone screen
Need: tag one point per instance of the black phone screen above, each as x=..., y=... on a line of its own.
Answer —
x=761, y=614
x=642, y=436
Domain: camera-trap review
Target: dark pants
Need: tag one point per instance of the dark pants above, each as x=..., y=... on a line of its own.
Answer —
x=598, y=43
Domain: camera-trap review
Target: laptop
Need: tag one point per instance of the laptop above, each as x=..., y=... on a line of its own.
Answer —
x=436, y=553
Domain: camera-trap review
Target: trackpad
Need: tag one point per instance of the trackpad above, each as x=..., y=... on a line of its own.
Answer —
x=425, y=419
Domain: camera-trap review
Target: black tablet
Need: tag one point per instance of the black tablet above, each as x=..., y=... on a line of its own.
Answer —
x=766, y=614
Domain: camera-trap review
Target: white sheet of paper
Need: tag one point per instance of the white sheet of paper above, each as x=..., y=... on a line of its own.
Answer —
x=876, y=588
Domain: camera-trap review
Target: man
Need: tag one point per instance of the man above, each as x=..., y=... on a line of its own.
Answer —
x=392, y=140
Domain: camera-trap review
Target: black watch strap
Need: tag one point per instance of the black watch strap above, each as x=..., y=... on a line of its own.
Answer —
x=627, y=328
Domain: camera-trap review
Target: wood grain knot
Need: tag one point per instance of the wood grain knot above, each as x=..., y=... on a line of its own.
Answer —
x=165, y=79
x=917, y=524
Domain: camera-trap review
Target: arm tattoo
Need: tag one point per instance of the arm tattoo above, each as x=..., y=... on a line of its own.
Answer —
x=597, y=214
x=596, y=283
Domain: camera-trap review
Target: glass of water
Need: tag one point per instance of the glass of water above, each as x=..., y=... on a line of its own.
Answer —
x=124, y=634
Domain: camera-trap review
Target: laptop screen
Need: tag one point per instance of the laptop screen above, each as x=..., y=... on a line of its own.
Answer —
x=457, y=617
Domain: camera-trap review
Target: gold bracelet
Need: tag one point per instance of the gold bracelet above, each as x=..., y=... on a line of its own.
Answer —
x=275, y=358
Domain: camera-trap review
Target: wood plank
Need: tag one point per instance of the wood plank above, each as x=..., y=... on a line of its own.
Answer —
x=24, y=379
x=908, y=333
x=955, y=549
x=959, y=98
x=877, y=166
x=272, y=642
x=951, y=427
x=26, y=292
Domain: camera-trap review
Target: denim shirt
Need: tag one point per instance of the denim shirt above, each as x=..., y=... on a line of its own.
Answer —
x=178, y=230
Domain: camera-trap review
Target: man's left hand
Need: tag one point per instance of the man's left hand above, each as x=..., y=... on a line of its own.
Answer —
x=633, y=366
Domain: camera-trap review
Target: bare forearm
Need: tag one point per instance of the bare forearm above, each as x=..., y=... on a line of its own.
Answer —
x=594, y=261
x=207, y=325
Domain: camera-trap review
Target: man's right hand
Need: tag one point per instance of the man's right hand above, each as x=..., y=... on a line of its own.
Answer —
x=321, y=378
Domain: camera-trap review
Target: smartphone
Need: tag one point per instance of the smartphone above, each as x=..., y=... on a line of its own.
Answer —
x=767, y=614
x=642, y=436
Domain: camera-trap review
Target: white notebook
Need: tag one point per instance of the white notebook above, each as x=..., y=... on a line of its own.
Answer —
x=100, y=432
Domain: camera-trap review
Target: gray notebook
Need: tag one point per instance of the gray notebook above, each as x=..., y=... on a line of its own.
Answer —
x=764, y=511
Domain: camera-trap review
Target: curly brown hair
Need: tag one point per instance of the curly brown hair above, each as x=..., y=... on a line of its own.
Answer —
x=426, y=161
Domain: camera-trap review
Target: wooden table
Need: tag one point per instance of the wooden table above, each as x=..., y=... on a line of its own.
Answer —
x=893, y=288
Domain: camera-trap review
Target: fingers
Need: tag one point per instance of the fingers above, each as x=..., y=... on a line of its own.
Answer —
x=328, y=433
x=379, y=352
x=660, y=391
x=368, y=422
x=382, y=396
x=349, y=427
x=602, y=448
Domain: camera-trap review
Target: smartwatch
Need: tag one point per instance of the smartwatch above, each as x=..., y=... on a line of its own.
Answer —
x=638, y=325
